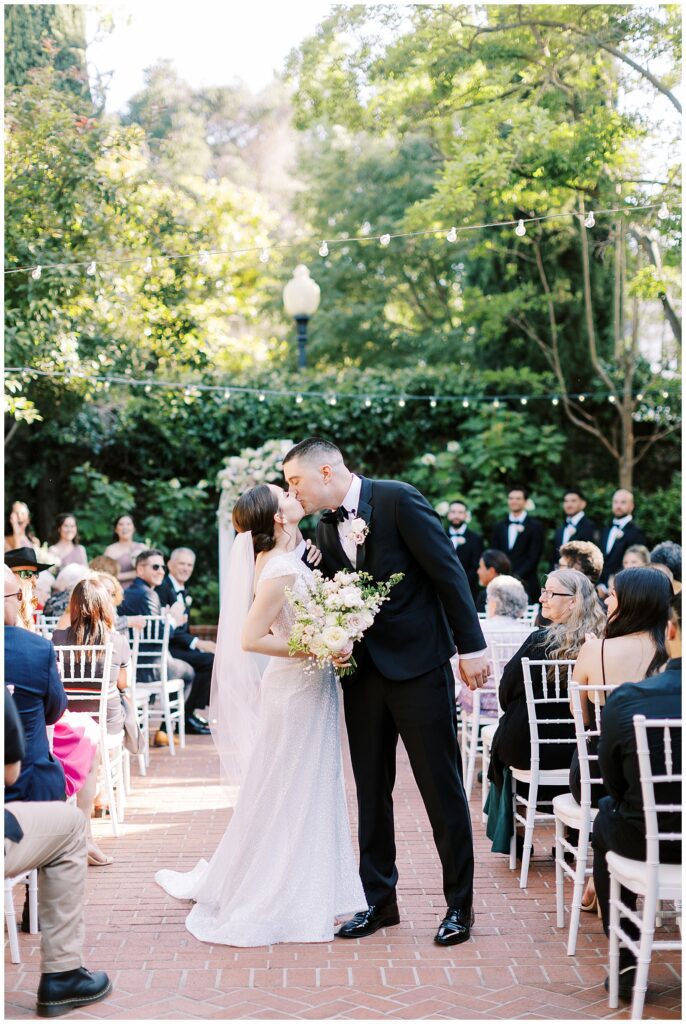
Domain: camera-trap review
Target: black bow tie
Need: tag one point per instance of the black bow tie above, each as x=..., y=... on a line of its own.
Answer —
x=570, y=522
x=518, y=521
x=336, y=515
x=617, y=523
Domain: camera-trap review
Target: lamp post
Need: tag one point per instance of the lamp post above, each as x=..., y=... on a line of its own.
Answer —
x=301, y=301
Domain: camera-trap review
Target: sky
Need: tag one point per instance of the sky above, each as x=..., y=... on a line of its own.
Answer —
x=208, y=43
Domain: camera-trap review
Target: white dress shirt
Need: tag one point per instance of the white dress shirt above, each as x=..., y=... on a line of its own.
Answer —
x=617, y=526
x=454, y=532
x=178, y=587
x=512, y=531
x=570, y=528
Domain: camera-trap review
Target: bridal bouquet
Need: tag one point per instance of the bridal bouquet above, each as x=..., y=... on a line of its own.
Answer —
x=335, y=613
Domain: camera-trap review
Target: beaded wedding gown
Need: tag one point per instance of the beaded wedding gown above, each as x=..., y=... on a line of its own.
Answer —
x=285, y=867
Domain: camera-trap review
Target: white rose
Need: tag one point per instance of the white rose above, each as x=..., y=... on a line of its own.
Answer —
x=428, y=459
x=452, y=447
x=335, y=639
x=529, y=505
x=442, y=508
x=350, y=597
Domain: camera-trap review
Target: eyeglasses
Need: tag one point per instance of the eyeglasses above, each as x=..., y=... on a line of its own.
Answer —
x=18, y=595
x=25, y=574
x=553, y=593
x=156, y=565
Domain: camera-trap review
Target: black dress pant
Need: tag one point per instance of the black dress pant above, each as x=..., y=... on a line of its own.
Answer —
x=201, y=662
x=422, y=712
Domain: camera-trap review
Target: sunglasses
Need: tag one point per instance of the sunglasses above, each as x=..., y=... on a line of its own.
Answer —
x=25, y=574
x=18, y=595
x=156, y=565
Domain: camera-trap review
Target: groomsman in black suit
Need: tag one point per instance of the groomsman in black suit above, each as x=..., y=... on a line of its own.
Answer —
x=520, y=536
x=619, y=535
x=468, y=544
x=577, y=525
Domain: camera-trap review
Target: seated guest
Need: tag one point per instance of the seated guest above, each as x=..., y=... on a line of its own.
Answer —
x=65, y=547
x=26, y=567
x=619, y=535
x=668, y=553
x=635, y=557
x=19, y=532
x=67, y=578
x=142, y=599
x=32, y=677
x=125, y=549
x=569, y=602
x=122, y=623
x=468, y=544
x=491, y=564
x=577, y=526
x=583, y=556
x=521, y=537
x=51, y=837
x=620, y=822
x=506, y=603
x=182, y=644
x=92, y=623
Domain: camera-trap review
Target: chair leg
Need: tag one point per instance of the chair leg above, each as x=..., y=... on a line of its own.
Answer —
x=33, y=902
x=182, y=719
x=528, y=834
x=613, y=1001
x=111, y=800
x=577, y=895
x=11, y=919
x=513, y=840
x=121, y=786
x=169, y=723
x=645, y=953
x=559, y=875
x=485, y=784
x=472, y=745
x=127, y=772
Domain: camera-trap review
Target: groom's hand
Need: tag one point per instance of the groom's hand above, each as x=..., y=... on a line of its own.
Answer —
x=474, y=671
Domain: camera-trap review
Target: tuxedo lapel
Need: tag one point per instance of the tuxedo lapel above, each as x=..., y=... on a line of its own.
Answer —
x=364, y=512
x=334, y=540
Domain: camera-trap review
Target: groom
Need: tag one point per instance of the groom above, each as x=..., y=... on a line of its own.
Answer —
x=404, y=683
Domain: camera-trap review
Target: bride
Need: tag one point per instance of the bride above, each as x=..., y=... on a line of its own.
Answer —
x=285, y=868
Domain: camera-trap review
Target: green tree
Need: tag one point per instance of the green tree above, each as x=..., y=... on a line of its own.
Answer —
x=39, y=35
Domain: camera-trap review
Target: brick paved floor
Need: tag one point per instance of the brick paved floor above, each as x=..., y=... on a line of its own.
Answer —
x=515, y=965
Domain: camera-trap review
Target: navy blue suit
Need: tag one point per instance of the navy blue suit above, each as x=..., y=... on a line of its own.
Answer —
x=32, y=676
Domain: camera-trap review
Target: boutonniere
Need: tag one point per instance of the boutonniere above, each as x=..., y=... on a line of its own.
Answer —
x=572, y=530
x=518, y=527
x=619, y=533
x=189, y=600
x=358, y=531
x=459, y=539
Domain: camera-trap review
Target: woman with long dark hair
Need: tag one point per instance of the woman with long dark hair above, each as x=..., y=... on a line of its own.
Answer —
x=124, y=549
x=64, y=543
x=19, y=532
x=632, y=648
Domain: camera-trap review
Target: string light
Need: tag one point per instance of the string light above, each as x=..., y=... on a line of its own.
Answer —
x=147, y=266
x=520, y=229
x=523, y=401
x=261, y=397
x=590, y=220
x=402, y=403
x=556, y=401
x=639, y=396
x=496, y=403
x=452, y=235
x=324, y=249
x=333, y=400
x=299, y=399
x=91, y=268
x=433, y=403
x=611, y=399
x=148, y=388
x=264, y=256
x=36, y=273
x=367, y=402
x=663, y=212
x=202, y=258
x=465, y=403
x=582, y=398
x=665, y=394
x=385, y=239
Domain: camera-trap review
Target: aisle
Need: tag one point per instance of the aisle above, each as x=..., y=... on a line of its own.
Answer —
x=515, y=965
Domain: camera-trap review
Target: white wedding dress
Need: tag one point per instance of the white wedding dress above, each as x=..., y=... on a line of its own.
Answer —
x=285, y=867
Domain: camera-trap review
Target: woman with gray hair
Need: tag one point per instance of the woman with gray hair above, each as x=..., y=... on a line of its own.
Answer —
x=67, y=578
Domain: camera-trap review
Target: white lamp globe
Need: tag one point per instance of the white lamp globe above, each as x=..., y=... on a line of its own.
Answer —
x=301, y=294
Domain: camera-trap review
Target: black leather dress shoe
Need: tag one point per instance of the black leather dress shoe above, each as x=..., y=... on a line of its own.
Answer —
x=455, y=926
x=67, y=990
x=369, y=921
x=196, y=726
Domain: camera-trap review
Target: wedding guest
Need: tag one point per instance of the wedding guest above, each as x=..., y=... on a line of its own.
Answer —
x=491, y=564
x=521, y=537
x=122, y=623
x=577, y=526
x=19, y=532
x=583, y=556
x=668, y=553
x=65, y=547
x=182, y=644
x=67, y=578
x=618, y=536
x=26, y=567
x=620, y=822
x=92, y=623
x=31, y=675
x=467, y=543
x=635, y=557
x=125, y=549
x=570, y=604
x=633, y=643
x=50, y=836
x=506, y=603
x=103, y=563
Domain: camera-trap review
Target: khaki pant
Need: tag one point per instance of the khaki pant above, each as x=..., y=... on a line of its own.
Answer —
x=55, y=842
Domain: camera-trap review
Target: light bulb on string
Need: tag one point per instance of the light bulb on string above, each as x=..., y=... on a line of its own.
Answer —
x=665, y=394
x=611, y=399
x=433, y=403
x=452, y=235
x=385, y=239
x=333, y=400
x=202, y=258
x=91, y=268
x=496, y=403
x=402, y=403
x=556, y=401
x=520, y=230
x=367, y=402
x=639, y=396
x=147, y=266
x=264, y=256
x=324, y=249
x=147, y=388
x=261, y=397
x=663, y=212
x=299, y=399
x=465, y=403
x=36, y=272
x=590, y=220
x=523, y=401
x=227, y=393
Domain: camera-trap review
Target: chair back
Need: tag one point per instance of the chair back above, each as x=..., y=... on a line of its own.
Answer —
x=587, y=734
x=85, y=671
x=661, y=770
x=531, y=613
x=502, y=647
x=150, y=646
x=47, y=624
x=552, y=680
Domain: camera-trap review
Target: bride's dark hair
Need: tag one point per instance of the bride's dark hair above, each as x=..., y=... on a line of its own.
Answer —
x=255, y=511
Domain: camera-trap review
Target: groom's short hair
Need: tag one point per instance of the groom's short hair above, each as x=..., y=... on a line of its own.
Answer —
x=314, y=447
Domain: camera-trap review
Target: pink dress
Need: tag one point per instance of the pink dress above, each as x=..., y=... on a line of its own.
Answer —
x=74, y=744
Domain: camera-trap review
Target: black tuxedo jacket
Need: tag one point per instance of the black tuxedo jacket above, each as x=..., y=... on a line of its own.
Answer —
x=586, y=529
x=140, y=599
x=526, y=553
x=431, y=610
x=469, y=554
x=181, y=636
x=613, y=562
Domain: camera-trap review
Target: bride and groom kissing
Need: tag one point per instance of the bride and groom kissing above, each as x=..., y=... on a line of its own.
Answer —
x=284, y=870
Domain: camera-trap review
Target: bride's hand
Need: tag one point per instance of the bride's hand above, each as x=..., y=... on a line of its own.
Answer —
x=342, y=659
x=313, y=555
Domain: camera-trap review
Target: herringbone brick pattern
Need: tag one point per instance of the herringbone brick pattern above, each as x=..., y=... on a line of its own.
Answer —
x=515, y=965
